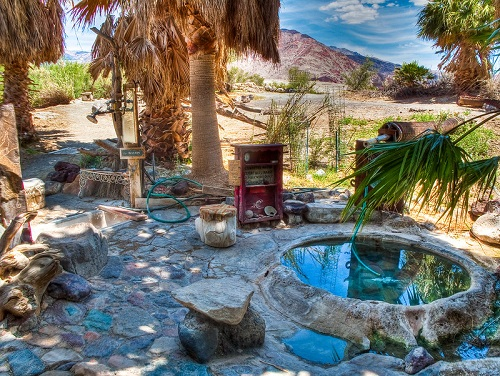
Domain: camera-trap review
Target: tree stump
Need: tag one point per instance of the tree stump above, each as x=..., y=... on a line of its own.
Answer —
x=217, y=225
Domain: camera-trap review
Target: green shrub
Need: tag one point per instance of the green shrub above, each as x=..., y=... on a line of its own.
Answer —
x=299, y=79
x=412, y=74
x=361, y=77
x=238, y=75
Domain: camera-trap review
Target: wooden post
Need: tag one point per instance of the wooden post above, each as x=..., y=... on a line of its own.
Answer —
x=132, y=152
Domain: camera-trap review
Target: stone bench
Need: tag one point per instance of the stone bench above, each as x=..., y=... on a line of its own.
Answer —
x=220, y=319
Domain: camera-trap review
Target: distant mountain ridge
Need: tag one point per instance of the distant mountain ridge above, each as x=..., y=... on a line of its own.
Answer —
x=80, y=56
x=382, y=66
x=325, y=63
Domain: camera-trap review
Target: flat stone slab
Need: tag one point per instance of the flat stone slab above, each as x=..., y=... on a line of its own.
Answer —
x=223, y=300
x=323, y=212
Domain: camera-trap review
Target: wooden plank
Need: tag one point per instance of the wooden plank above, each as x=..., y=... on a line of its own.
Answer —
x=140, y=202
x=234, y=172
x=217, y=191
x=124, y=212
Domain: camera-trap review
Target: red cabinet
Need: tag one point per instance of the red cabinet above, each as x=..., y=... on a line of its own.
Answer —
x=259, y=195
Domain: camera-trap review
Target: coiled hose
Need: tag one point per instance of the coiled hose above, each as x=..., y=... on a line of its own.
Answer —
x=165, y=182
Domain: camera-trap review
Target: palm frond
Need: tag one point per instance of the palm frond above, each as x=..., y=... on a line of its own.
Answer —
x=432, y=170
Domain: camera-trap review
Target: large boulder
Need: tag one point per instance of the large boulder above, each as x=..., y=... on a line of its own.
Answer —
x=487, y=228
x=222, y=300
x=81, y=248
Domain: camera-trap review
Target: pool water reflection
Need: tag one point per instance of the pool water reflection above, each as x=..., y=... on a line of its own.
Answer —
x=404, y=276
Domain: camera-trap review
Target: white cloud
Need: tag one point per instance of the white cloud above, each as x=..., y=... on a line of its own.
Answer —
x=353, y=11
x=419, y=3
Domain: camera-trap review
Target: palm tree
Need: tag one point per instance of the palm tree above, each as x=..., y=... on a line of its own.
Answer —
x=454, y=26
x=210, y=29
x=31, y=32
x=159, y=65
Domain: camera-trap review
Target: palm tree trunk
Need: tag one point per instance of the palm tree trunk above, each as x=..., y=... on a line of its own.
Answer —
x=16, y=83
x=206, y=153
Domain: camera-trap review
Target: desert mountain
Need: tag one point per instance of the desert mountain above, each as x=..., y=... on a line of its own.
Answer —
x=326, y=64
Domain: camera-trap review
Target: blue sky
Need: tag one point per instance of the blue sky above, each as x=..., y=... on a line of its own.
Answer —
x=380, y=28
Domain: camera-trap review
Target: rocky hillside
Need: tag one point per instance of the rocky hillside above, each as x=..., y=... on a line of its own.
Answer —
x=383, y=67
x=327, y=64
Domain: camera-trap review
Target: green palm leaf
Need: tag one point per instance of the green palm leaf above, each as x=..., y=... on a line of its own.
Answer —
x=431, y=169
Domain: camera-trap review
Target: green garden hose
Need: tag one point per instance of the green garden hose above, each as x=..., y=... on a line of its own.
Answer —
x=164, y=182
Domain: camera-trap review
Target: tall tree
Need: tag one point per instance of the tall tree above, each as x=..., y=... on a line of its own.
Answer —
x=31, y=32
x=210, y=29
x=454, y=26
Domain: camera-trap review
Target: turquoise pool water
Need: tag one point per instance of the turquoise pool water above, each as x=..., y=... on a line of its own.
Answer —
x=387, y=272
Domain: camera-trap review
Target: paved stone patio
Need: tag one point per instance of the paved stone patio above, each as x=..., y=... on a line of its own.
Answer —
x=128, y=326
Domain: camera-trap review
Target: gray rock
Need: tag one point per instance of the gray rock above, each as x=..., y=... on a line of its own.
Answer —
x=82, y=249
x=250, y=332
x=199, y=336
x=70, y=287
x=53, y=187
x=417, y=359
x=293, y=219
x=307, y=197
x=487, y=228
x=113, y=268
x=134, y=322
x=223, y=300
x=164, y=345
x=101, y=347
x=288, y=196
x=25, y=363
x=56, y=373
x=294, y=207
x=60, y=356
x=91, y=369
x=324, y=213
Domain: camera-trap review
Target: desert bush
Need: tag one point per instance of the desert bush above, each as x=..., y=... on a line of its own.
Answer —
x=238, y=75
x=442, y=84
x=299, y=80
x=64, y=81
x=289, y=125
x=491, y=88
x=361, y=77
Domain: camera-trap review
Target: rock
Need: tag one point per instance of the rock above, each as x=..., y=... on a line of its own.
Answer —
x=487, y=228
x=288, y=196
x=53, y=187
x=307, y=197
x=164, y=345
x=222, y=300
x=180, y=188
x=134, y=322
x=60, y=356
x=293, y=219
x=81, y=248
x=113, y=268
x=91, y=369
x=73, y=188
x=417, y=359
x=69, y=286
x=199, y=336
x=324, y=213
x=25, y=363
x=294, y=207
x=101, y=347
x=98, y=321
x=250, y=332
